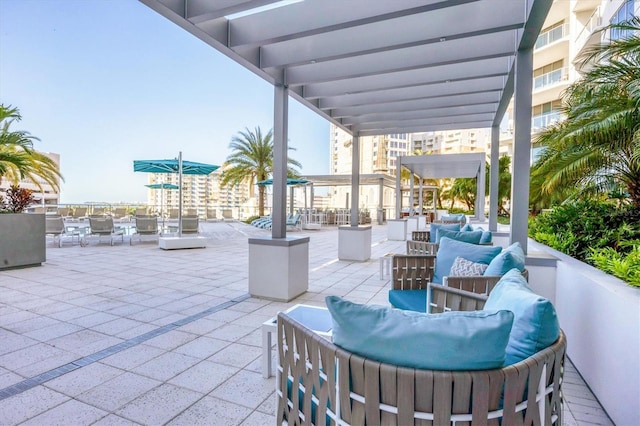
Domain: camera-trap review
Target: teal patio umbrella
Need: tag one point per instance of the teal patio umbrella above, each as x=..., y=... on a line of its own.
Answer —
x=178, y=166
x=162, y=186
x=290, y=182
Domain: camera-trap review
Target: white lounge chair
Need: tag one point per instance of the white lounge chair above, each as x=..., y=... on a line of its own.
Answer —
x=103, y=227
x=54, y=226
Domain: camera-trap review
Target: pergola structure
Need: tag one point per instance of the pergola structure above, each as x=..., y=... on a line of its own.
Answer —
x=444, y=166
x=383, y=67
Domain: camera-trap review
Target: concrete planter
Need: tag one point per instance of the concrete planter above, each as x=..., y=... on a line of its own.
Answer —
x=22, y=240
x=599, y=314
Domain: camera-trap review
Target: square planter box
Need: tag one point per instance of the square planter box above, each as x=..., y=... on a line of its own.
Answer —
x=22, y=237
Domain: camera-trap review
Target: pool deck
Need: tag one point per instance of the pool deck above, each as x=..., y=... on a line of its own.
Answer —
x=128, y=335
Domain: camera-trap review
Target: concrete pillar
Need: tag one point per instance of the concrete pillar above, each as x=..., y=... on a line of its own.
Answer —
x=355, y=179
x=280, y=135
x=494, y=178
x=521, y=147
x=480, y=192
x=398, y=188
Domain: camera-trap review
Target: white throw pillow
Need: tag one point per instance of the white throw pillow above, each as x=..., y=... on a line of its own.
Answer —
x=465, y=268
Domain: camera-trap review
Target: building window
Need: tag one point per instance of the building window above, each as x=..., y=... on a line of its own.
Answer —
x=551, y=34
x=623, y=14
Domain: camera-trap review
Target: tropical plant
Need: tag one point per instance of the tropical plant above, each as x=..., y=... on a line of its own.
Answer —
x=252, y=161
x=18, y=159
x=597, y=147
x=16, y=200
x=625, y=266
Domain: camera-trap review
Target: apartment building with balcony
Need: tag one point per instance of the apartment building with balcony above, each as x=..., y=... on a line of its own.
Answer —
x=571, y=28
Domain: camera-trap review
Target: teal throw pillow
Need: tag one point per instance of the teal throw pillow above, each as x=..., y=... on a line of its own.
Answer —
x=449, y=341
x=509, y=258
x=434, y=227
x=467, y=227
x=535, y=324
x=459, y=217
x=450, y=249
x=486, y=238
x=471, y=237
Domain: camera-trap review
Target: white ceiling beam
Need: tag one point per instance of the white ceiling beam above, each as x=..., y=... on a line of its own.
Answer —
x=426, y=128
x=409, y=115
x=424, y=122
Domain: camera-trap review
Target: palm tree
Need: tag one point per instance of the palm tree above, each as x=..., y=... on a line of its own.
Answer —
x=597, y=147
x=252, y=160
x=464, y=189
x=18, y=159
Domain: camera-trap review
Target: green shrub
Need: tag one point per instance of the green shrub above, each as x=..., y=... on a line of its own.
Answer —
x=251, y=219
x=592, y=231
x=624, y=266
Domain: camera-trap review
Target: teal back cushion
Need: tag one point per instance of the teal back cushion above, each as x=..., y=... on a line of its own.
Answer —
x=535, y=324
x=467, y=228
x=459, y=216
x=449, y=341
x=450, y=249
x=486, y=238
x=434, y=227
x=509, y=258
x=471, y=237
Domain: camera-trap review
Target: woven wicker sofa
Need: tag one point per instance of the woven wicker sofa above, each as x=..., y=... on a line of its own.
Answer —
x=335, y=386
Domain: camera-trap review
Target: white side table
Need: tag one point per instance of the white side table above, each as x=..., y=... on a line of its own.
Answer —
x=317, y=318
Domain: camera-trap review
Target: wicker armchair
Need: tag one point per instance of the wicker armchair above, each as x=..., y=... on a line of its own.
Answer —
x=320, y=383
x=421, y=248
x=420, y=235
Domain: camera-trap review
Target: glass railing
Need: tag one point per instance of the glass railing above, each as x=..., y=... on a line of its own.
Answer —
x=550, y=78
x=539, y=122
x=552, y=35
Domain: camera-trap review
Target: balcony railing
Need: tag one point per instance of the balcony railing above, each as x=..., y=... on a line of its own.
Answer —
x=552, y=35
x=550, y=78
x=539, y=122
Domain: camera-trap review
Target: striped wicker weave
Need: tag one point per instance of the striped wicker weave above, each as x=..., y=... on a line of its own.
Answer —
x=320, y=383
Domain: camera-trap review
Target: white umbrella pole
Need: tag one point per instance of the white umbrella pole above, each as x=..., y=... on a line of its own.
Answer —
x=180, y=194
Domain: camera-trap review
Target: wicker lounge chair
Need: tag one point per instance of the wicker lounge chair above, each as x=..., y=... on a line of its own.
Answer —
x=321, y=383
x=145, y=226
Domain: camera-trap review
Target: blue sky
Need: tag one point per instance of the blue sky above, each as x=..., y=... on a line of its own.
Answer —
x=106, y=82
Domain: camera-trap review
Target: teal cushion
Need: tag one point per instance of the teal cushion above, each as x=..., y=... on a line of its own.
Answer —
x=434, y=227
x=486, y=238
x=450, y=249
x=410, y=300
x=509, y=258
x=535, y=324
x=449, y=341
x=467, y=228
x=460, y=217
x=471, y=237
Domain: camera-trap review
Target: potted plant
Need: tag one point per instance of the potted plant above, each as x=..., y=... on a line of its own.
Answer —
x=22, y=234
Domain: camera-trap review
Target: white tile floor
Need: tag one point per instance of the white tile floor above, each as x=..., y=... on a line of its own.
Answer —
x=108, y=302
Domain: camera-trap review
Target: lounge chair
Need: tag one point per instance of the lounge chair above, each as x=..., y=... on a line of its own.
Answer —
x=79, y=213
x=212, y=215
x=141, y=211
x=294, y=222
x=173, y=214
x=318, y=382
x=103, y=227
x=190, y=225
x=227, y=215
x=145, y=226
x=421, y=248
x=54, y=226
x=120, y=213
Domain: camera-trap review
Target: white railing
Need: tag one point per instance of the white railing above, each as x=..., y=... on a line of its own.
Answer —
x=595, y=21
x=539, y=122
x=550, y=78
x=552, y=35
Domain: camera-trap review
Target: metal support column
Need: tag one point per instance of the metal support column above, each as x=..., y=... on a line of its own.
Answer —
x=381, y=202
x=481, y=185
x=494, y=179
x=411, y=212
x=280, y=136
x=521, y=147
x=398, y=188
x=355, y=179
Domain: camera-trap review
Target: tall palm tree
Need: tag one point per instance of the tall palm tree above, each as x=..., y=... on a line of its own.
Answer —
x=598, y=144
x=18, y=159
x=252, y=160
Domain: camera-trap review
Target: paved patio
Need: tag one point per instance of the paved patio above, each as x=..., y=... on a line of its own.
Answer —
x=128, y=335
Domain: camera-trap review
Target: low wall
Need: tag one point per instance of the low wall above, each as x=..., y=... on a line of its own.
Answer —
x=600, y=315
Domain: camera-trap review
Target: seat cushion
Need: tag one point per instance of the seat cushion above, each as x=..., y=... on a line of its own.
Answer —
x=450, y=249
x=535, y=324
x=509, y=258
x=472, y=237
x=410, y=300
x=449, y=341
x=433, y=229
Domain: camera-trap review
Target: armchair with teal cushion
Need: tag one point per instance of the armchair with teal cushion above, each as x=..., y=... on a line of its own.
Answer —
x=434, y=227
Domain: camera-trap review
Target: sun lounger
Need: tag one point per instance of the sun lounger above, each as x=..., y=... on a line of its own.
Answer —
x=103, y=227
x=54, y=226
x=145, y=226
